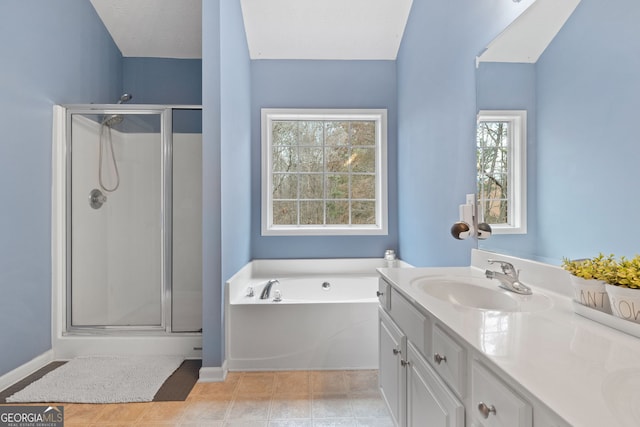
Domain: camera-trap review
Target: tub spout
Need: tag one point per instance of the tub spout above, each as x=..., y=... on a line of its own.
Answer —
x=267, y=288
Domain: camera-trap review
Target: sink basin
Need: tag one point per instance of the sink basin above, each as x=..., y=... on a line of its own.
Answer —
x=479, y=293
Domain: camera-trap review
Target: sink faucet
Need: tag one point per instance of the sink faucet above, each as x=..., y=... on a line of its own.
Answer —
x=267, y=288
x=508, y=278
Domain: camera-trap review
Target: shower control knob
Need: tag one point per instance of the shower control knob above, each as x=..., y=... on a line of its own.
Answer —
x=97, y=199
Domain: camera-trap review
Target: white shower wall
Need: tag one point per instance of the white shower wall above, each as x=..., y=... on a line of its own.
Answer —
x=116, y=250
x=187, y=232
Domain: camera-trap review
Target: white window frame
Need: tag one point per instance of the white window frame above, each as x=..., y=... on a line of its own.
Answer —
x=269, y=115
x=517, y=175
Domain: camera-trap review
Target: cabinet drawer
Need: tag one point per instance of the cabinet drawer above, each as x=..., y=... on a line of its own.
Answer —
x=413, y=323
x=384, y=296
x=494, y=404
x=449, y=360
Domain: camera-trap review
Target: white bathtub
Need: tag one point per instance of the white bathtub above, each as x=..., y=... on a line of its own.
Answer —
x=334, y=326
x=348, y=288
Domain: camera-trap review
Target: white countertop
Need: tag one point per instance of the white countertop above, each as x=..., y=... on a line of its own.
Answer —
x=586, y=372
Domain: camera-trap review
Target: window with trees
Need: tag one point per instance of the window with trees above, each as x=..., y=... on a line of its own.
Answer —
x=501, y=165
x=324, y=172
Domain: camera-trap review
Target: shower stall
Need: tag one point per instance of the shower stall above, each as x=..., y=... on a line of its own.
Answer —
x=127, y=227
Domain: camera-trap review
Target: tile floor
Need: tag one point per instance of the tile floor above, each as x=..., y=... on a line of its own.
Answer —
x=254, y=399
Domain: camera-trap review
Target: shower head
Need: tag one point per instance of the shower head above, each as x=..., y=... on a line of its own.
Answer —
x=112, y=120
x=125, y=97
x=116, y=119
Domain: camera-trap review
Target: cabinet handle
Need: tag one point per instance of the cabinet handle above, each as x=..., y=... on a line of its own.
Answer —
x=405, y=362
x=396, y=351
x=439, y=359
x=486, y=410
x=379, y=294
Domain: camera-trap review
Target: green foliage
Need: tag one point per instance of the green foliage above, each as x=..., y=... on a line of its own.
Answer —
x=624, y=272
x=628, y=273
x=599, y=268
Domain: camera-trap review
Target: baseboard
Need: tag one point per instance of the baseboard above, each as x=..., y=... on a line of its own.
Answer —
x=26, y=369
x=211, y=374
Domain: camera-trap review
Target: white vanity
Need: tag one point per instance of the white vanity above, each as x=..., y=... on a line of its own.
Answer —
x=456, y=350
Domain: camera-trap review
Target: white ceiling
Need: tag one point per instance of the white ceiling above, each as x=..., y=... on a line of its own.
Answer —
x=312, y=29
x=327, y=29
x=154, y=28
x=276, y=29
x=526, y=38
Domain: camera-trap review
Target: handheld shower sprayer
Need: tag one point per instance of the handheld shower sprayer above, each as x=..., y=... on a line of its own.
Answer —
x=107, y=123
x=116, y=119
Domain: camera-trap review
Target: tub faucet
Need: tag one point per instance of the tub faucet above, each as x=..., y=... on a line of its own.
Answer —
x=267, y=288
x=508, y=278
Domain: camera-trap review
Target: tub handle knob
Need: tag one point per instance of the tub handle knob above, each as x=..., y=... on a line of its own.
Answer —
x=379, y=294
x=396, y=351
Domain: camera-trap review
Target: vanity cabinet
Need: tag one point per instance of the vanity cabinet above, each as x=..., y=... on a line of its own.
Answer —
x=415, y=394
x=430, y=377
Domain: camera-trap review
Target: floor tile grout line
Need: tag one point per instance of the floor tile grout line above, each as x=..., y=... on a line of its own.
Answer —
x=352, y=388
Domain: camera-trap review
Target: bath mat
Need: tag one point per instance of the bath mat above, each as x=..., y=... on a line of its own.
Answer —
x=101, y=379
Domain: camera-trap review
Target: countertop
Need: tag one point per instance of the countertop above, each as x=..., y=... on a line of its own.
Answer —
x=586, y=372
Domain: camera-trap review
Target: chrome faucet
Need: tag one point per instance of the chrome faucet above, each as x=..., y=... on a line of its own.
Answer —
x=508, y=278
x=267, y=288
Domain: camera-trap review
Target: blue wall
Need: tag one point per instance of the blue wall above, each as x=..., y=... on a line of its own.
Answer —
x=225, y=159
x=211, y=232
x=162, y=80
x=235, y=148
x=52, y=53
x=436, y=121
x=166, y=81
x=587, y=103
x=322, y=84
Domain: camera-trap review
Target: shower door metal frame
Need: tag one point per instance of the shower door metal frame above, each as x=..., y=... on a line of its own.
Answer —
x=166, y=134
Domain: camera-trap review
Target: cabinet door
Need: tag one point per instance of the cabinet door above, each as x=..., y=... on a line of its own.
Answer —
x=429, y=401
x=391, y=373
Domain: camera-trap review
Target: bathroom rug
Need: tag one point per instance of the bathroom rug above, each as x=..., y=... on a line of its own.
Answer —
x=101, y=379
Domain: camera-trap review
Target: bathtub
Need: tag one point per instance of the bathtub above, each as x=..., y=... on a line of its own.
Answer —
x=326, y=316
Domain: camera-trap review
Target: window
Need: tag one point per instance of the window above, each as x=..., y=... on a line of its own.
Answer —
x=324, y=172
x=501, y=162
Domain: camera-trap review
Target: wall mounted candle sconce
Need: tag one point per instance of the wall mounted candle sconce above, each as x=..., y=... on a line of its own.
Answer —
x=468, y=222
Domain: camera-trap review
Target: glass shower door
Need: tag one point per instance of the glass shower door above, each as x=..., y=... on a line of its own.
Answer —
x=115, y=227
